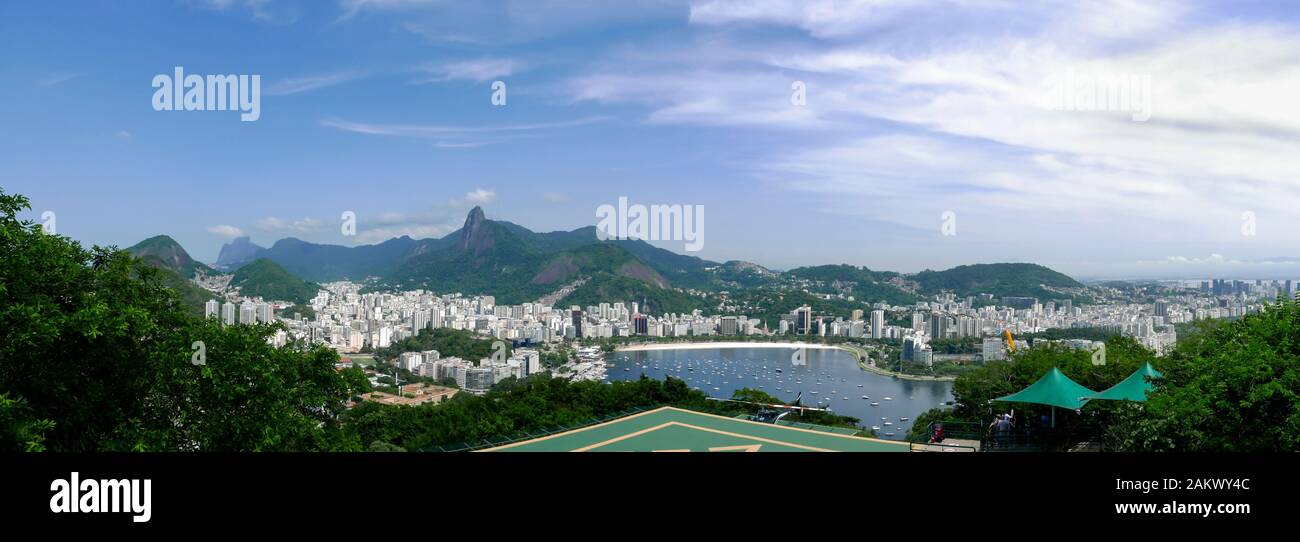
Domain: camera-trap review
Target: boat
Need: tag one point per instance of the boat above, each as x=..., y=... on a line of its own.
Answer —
x=873, y=403
x=887, y=424
x=889, y=398
x=875, y=428
x=865, y=397
x=903, y=419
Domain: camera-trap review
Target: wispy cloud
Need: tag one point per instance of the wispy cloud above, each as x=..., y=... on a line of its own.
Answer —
x=454, y=136
x=304, y=84
x=56, y=79
x=351, y=8
x=265, y=11
x=477, y=70
x=443, y=130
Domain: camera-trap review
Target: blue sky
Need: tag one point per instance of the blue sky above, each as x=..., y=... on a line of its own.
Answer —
x=913, y=109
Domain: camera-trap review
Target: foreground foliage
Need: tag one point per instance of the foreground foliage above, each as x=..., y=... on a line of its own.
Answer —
x=98, y=354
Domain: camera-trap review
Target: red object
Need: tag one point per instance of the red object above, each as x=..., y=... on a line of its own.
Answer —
x=937, y=434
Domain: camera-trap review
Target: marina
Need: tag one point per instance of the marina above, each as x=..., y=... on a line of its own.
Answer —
x=822, y=379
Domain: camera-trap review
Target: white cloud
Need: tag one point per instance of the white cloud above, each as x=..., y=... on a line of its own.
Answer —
x=225, y=230
x=369, y=235
x=388, y=225
x=478, y=196
x=276, y=225
x=953, y=117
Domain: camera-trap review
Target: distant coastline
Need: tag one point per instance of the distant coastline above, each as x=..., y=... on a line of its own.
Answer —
x=718, y=344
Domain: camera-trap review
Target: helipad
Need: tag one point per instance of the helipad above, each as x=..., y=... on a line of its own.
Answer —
x=669, y=429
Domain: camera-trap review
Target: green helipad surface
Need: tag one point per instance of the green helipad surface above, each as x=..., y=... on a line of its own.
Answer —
x=669, y=429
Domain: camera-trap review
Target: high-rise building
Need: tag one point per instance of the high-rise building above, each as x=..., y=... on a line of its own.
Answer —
x=228, y=313
x=994, y=349
x=478, y=379
x=729, y=326
x=577, y=321
x=877, y=324
x=803, y=320
x=1019, y=302
x=1162, y=308
x=247, y=313
x=857, y=314
x=419, y=321
x=211, y=308
x=938, y=326
x=640, y=325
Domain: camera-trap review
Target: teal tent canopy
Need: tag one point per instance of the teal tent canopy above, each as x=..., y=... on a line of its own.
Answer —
x=1133, y=388
x=1055, y=389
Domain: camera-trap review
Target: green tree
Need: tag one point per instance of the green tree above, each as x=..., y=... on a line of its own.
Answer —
x=19, y=430
x=1230, y=387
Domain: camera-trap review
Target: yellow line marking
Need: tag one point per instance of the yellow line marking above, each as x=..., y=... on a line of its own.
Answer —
x=698, y=428
x=751, y=437
x=566, y=433
x=624, y=437
x=749, y=448
x=882, y=441
x=690, y=412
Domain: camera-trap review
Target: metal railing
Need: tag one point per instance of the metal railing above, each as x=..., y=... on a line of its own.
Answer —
x=1015, y=440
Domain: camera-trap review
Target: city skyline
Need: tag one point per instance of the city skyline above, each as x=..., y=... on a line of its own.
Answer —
x=384, y=109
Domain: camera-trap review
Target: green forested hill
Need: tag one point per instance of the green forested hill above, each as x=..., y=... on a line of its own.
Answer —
x=267, y=279
x=999, y=279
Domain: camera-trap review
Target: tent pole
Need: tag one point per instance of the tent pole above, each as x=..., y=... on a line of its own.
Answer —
x=1053, y=417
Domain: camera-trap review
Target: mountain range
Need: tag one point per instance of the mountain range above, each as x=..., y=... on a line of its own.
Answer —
x=516, y=265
